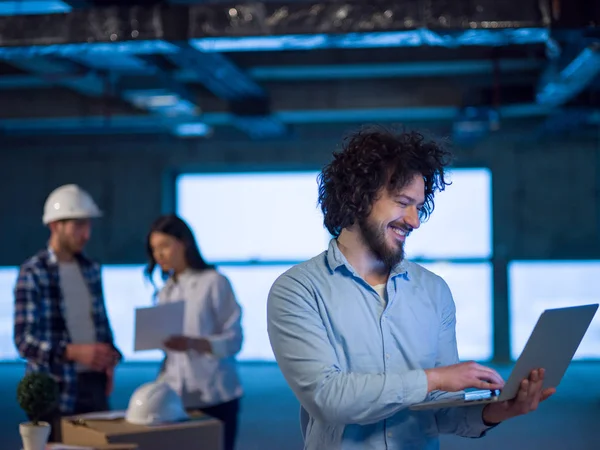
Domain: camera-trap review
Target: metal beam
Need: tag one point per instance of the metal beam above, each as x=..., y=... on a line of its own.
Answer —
x=23, y=82
x=320, y=72
x=392, y=39
x=162, y=95
x=249, y=102
x=567, y=120
x=217, y=73
x=216, y=27
x=98, y=77
x=557, y=89
x=391, y=70
x=64, y=73
x=158, y=92
x=156, y=124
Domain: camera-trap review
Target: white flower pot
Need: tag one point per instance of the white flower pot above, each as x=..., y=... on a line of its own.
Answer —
x=35, y=437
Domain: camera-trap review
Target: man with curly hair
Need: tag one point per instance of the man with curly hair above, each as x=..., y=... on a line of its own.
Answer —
x=359, y=332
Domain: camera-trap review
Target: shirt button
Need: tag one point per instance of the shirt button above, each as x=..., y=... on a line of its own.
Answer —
x=387, y=355
x=389, y=434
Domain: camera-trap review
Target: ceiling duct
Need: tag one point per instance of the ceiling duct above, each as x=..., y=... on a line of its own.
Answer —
x=143, y=29
x=340, y=17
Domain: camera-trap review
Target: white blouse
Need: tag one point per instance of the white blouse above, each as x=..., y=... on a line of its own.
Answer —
x=211, y=312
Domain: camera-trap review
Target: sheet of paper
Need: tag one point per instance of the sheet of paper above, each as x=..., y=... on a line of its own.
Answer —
x=67, y=447
x=155, y=324
x=102, y=415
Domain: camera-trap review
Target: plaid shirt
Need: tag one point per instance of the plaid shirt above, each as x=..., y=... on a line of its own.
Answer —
x=40, y=332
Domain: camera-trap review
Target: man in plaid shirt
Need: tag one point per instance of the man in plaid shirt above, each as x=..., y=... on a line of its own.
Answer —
x=61, y=325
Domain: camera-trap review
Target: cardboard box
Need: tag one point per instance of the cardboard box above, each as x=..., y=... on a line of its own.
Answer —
x=202, y=432
x=57, y=446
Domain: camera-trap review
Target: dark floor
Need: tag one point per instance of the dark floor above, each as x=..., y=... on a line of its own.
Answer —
x=568, y=421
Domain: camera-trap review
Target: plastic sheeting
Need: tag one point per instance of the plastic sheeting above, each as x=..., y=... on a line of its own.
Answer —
x=180, y=22
x=260, y=19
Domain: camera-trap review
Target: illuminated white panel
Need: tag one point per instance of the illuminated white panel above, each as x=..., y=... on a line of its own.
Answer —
x=126, y=288
x=471, y=286
x=8, y=279
x=539, y=285
x=253, y=216
x=461, y=223
x=251, y=285
x=275, y=216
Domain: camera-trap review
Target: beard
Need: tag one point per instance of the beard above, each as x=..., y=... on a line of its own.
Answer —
x=70, y=245
x=375, y=237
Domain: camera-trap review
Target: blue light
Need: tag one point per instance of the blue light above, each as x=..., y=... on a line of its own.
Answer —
x=24, y=7
x=160, y=101
x=195, y=129
x=573, y=79
x=412, y=38
x=108, y=49
x=156, y=123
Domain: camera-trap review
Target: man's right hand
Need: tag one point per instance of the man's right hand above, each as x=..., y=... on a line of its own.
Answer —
x=98, y=357
x=463, y=376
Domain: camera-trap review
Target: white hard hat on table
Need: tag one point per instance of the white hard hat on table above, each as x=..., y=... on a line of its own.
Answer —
x=69, y=202
x=155, y=403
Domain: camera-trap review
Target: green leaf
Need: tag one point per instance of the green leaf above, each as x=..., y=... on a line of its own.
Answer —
x=37, y=394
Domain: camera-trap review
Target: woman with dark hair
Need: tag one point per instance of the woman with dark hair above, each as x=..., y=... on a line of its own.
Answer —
x=200, y=365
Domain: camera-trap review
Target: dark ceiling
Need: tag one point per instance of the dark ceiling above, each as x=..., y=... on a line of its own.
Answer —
x=187, y=68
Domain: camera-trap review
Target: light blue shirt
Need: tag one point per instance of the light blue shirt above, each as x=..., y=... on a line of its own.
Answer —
x=356, y=362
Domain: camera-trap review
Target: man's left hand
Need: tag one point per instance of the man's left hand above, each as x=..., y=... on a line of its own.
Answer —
x=528, y=398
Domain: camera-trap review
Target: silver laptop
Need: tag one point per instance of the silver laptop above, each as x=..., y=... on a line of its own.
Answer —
x=551, y=346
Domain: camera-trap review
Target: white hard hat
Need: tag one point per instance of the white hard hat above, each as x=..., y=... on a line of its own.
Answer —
x=155, y=403
x=69, y=202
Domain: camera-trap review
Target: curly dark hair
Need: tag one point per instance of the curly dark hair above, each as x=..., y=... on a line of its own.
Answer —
x=372, y=158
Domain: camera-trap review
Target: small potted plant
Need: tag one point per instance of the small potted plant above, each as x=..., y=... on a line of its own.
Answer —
x=37, y=394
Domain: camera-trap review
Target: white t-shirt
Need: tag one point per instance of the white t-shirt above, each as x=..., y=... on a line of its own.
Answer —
x=78, y=306
x=382, y=291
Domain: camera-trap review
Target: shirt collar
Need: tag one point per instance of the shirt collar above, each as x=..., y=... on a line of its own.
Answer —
x=53, y=260
x=51, y=256
x=336, y=259
x=184, y=276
